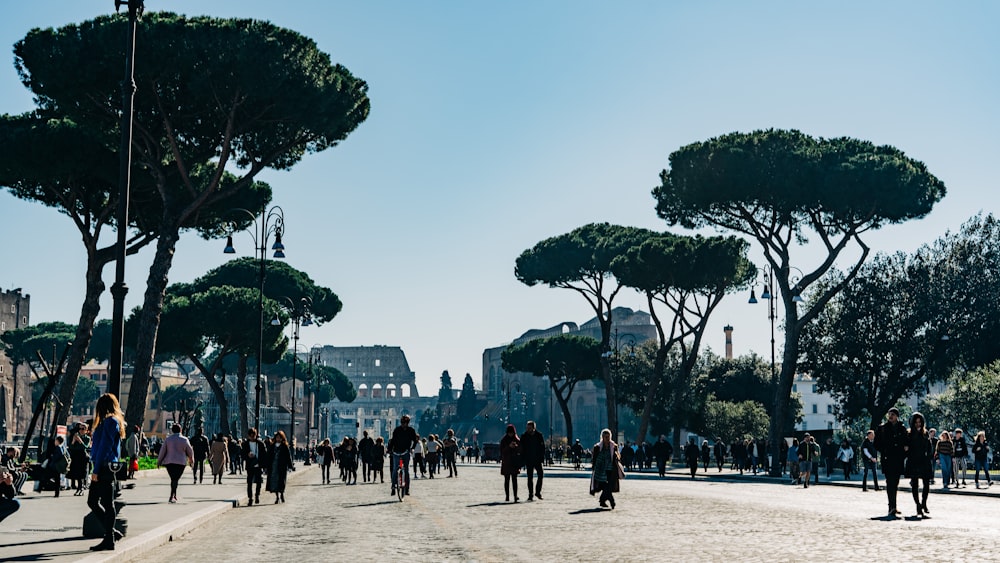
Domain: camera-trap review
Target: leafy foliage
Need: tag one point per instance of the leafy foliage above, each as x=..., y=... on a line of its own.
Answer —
x=971, y=402
x=735, y=420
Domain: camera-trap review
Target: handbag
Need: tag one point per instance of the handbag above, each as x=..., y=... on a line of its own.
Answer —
x=135, y=464
x=621, y=469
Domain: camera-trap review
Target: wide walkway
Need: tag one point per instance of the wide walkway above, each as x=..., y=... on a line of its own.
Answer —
x=466, y=519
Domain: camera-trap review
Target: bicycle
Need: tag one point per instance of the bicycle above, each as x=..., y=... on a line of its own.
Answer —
x=400, y=480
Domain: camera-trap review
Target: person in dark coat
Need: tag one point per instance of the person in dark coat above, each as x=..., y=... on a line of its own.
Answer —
x=510, y=460
x=890, y=441
x=280, y=458
x=364, y=452
x=919, y=462
x=691, y=454
x=199, y=443
x=719, y=449
x=605, y=476
x=706, y=454
x=869, y=457
x=662, y=451
x=533, y=455
x=324, y=456
x=254, y=451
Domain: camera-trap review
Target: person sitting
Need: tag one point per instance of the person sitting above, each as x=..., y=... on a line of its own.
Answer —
x=18, y=471
x=8, y=503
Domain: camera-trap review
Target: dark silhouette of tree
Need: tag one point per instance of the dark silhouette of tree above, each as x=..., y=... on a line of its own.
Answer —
x=467, y=399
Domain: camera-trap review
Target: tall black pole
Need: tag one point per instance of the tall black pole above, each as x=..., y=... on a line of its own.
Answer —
x=119, y=289
x=295, y=357
x=260, y=310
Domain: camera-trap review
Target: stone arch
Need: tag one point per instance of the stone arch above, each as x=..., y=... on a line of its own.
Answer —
x=377, y=391
x=363, y=390
x=404, y=390
x=390, y=390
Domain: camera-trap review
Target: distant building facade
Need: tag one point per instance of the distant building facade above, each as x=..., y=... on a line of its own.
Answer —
x=15, y=384
x=518, y=397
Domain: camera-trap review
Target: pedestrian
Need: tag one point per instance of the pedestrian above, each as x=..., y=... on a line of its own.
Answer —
x=17, y=470
x=944, y=451
x=919, y=462
x=105, y=448
x=349, y=461
x=890, y=441
x=79, y=460
x=809, y=456
x=932, y=435
x=377, y=460
x=829, y=457
x=280, y=458
x=254, y=452
x=364, y=454
x=133, y=449
x=792, y=457
x=719, y=450
x=236, y=458
x=219, y=452
x=662, y=451
x=201, y=448
x=960, y=461
x=606, y=473
x=450, y=449
x=752, y=454
x=420, y=458
x=510, y=461
x=845, y=456
x=324, y=455
x=869, y=459
x=533, y=456
x=433, y=449
x=175, y=453
x=980, y=452
x=691, y=454
x=8, y=494
x=56, y=463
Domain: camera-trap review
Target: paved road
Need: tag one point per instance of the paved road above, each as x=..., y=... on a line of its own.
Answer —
x=677, y=519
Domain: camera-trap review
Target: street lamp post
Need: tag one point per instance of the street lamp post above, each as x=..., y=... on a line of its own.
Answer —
x=270, y=222
x=768, y=294
x=300, y=317
x=119, y=289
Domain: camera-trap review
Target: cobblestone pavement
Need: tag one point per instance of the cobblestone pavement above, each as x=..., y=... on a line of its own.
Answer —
x=466, y=519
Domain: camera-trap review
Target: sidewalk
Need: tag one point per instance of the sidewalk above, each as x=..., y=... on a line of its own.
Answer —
x=51, y=529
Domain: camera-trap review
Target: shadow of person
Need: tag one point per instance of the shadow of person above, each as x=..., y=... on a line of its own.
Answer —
x=588, y=510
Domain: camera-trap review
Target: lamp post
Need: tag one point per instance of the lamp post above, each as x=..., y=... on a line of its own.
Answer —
x=119, y=289
x=270, y=222
x=300, y=317
x=769, y=295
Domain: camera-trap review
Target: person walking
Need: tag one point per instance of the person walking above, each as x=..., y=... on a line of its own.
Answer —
x=324, y=455
x=662, y=451
x=792, y=457
x=105, y=449
x=719, y=450
x=890, y=441
x=201, y=448
x=919, y=462
x=809, y=456
x=691, y=454
x=254, y=452
x=133, y=449
x=175, y=453
x=450, y=449
x=280, y=458
x=869, y=459
x=533, y=456
x=980, y=453
x=364, y=453
x=605, y=475
x=706, y=454
x=945, y=450
x=433, y=451
x=510, y=461
x=960, y=462
x=845, y=456
x=420, y=458
x=377, y=460
x=79, y=460
x=219, y=456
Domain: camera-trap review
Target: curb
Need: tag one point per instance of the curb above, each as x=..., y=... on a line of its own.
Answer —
x=132, y=548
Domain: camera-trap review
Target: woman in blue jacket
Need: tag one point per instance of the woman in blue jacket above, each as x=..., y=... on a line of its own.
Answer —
x=105, y=448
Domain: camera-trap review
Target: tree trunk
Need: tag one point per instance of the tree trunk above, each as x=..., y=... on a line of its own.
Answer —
x=656, y=380
x=783, y=391
x=218, y=390
x=149, y=322
x=96, y=260
x=564, y=407
x=611, y=397
x=241, y=396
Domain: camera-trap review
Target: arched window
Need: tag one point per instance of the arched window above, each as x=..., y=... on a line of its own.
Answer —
x=363, y=390
x=404, y=390
x=377, y=391
x=390, y=390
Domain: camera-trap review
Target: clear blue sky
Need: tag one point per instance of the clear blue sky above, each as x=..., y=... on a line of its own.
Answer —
x=496, y=125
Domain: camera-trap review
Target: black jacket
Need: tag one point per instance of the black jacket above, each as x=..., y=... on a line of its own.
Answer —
x=253, y=462
x=199, y=443
x=532, y=448
x=889, y=441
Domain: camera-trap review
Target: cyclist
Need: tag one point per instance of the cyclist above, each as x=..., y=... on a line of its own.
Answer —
x=403, y=439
